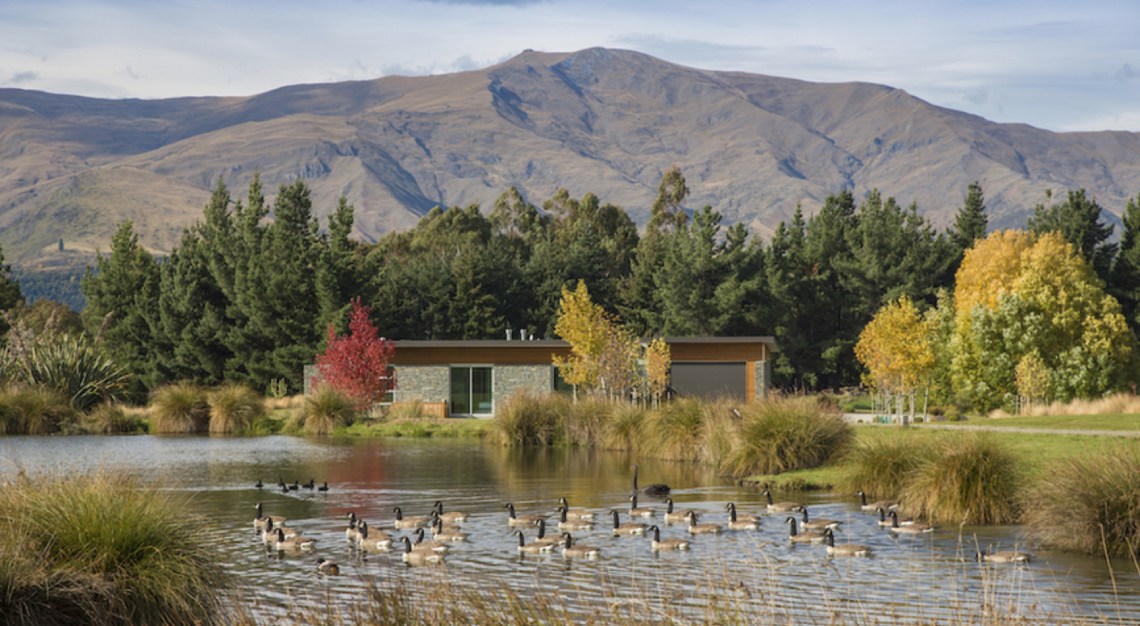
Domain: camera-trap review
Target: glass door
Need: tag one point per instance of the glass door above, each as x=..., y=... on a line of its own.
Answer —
x=471, y=390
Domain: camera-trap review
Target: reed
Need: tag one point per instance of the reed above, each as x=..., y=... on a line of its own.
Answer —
x=780, y=434
x=968, y=479
x=527, y=420
x=33, y=410
x=882, y=467
x=179, y=409
x=623, y=428
x=326, y=410
x=234, y=409
x=1089, y=504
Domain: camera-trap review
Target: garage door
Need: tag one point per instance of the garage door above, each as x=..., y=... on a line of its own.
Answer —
x=709, y=379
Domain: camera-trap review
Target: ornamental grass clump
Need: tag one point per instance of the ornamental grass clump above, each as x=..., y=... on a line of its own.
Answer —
x=968, y=479
x=107, y=419
x=33, y=410
x=882, y=468
x=623, y=426
x=326, y=410
x=98, y=550
x=179, y=409
x=583, y=421
x=674, y=431
x=780, y=434
x=1089, y=504
x=234, y=409
x=526, y=420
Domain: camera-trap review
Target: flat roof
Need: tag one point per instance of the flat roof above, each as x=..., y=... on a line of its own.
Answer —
x=558, y=343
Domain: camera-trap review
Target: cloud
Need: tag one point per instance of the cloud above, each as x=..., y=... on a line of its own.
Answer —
x=491, y=3
x=23, y=77
x=1125, y=72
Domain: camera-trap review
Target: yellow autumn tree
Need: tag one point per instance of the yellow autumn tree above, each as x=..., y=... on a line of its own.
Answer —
x=658, y=360
x=584, y=325
x=896, y=349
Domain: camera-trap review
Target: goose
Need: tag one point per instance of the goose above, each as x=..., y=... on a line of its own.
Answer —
x=446, y=535
x=532, y=548
x=373, y=541
x=260, y=521
x=887, y=522
x=259, y=484
x=430, y=544
x=571, y=551
x=269, y=534
x=450, y=517
x=1005, y=556
x=447, y=527
x=327, y=567
x=541, y=539
x=579, y=514
x=746, y=521
x=669, y=544
x=781, y=507
x=807, y=536
x=521, y=520
x=844, y=549
x=818, y=523
x=293, y=544
x=352, y=533
x=871, y=506
x=638, y=511
x=657, y=490
x=281, y=485
x=324, y=486
x=284, y=488
x=295, y=486
x=912, y=529
x=416, y=521
x=565, y=523
x=309, y=485
x=672, y=517
x=701, y=529
x=628, y=529
x=419, y=557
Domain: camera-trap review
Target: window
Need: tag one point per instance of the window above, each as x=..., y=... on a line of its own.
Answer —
x=471, y=390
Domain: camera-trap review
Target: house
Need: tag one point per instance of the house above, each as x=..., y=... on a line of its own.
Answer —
x=466, y=378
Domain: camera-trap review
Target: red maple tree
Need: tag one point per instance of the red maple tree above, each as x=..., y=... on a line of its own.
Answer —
x=358, y=364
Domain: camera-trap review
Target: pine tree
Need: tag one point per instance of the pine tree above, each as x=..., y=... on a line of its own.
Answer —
x=1124, y=281
x=10, y=295
x=970, y=222
x=1078, y=221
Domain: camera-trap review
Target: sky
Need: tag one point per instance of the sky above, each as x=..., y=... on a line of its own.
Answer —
x=1071, y=65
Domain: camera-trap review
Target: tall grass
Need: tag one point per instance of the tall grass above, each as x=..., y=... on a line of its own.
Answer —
x=1089, y=504
x=622, y=429
x=1120, y=403
x=234, y=409
x=882, y=468
x=33, y=410
x=779, y=434
x=969, y=479
x=96, y=550
x=527, y=420
x=179, y=409
x=674, y=431
x=107, y=419
x=326, y=410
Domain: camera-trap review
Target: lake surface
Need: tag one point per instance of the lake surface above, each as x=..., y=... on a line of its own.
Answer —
x=928, y=578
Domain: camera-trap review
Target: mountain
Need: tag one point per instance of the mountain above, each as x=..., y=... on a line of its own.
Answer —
x=598, y=120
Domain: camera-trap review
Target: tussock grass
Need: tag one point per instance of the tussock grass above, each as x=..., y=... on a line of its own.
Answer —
x=179, y=409
x=969, y=479
x=527, y=420
x=780, y=434
x=285, y=402
x=110, y=418
x=1120, y=403
x=326, y=410
x=405, y=411
x=1089, y=504
x=622, y=429
x=584, y=421
x=96, y=550
x=882, y=467
x=234, y=409
x=33, y=410
x=674, y=431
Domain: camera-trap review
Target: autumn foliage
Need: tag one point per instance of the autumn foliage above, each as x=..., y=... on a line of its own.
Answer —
x=358, y=364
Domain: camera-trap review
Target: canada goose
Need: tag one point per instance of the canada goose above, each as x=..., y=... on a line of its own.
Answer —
x=324, y=486
x=741, y=522
x=1005, y=556
x=281, y=485
x=533, y=548
x=327, y=567
x=677, y=517
x=295, y=486
x=541, y=539
x=259, y=521
x=807, y=536
x=309, y=485
x=370, y=541
x=871, y=506
x=430, y=544
x=781, y=507
x=581, y=514
x=259, y=485
x=450, y=517
x=293, y=544
x=284, y=488
x=844, y=549
x=565, y=523
x=269, y=534
x=416, y=521
x=657, y=490
x=638, y=511
x=438, y=525
x=521, y=520
x=628, y=529
x=352, y=533
x=912, y=529
x=701, y=529
x=818, y=523
x=571, y=551
x=887, y=522
x=419, y=557
x=440, y=533
x=669, y=544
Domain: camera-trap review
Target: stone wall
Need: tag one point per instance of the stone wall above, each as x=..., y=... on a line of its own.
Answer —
x=763, y=379
x=426, y=383
x=509, y=379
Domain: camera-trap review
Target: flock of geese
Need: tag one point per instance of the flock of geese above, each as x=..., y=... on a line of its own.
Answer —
x=446, y=528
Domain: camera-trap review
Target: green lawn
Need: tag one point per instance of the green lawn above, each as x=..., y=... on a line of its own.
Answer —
x=1117, y=421
x=424, y=427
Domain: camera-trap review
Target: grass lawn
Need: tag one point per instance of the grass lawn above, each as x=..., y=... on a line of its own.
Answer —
x=1118, y=421
x=420, y=427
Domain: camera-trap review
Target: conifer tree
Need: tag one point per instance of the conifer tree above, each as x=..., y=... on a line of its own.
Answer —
x=9, y=294
x=1078, y=220
x=1124, y=281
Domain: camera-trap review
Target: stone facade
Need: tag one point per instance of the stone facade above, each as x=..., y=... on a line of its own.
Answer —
x=510, y=379
x=763, y=379
x=425, y=383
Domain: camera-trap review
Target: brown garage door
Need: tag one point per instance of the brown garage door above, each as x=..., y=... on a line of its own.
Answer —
x=709, y=379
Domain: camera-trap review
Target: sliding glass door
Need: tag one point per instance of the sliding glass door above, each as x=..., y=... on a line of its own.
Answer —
x=471, y=393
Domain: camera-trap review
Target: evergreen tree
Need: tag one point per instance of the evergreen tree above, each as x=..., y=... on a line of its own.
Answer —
x=970, y=222
x=641, y=304
x=9, y=294
x=1078, y=221
x=1124, y=281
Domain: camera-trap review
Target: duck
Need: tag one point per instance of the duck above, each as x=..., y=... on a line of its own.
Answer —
x=816, y=524
x=627, y=529
x=786, y=506
x=912, y=529
x=871, y=506
x=571, y=551
x=638, y=511
x=419, y=557
x=742, y=522
x=260, y=521
x=579, y=514
x=807, y=536
x=1005, y=556
x=293, y=544
x=677, y=517
x=657, y=490
x=373, y=541
x=430, y=544
x=887, y=522
x=446, y=534
x=696, y=528
x=532, y=548
x=450, y=517
x=326, y=567
x=565, y=523
x=668, y=544
x=415, y=521
x=521, y=520
x=843, y=549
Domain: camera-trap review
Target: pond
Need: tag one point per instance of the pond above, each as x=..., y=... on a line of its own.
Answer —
x=925, y=578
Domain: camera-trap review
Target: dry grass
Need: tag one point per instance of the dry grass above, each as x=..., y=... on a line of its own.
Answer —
x=326, y=410
x=179, y=409
x=968, y=479
x=234, y=409
x=1120, y=403
x=286, y=403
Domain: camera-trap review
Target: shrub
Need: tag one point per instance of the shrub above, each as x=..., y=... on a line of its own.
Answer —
x=33, y=410
x=882, y=468
x=525, y=420
x=968, y=479
x=780, y=434
x=74, y=366
x=234, y=409
x=326, y=410
x=1089, y=504
x=178, y=409
x=93, y=550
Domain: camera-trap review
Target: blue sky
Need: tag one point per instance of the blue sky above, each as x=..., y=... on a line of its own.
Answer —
x=1057, y=65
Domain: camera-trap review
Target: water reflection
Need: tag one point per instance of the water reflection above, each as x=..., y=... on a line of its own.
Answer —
x=929, y=578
